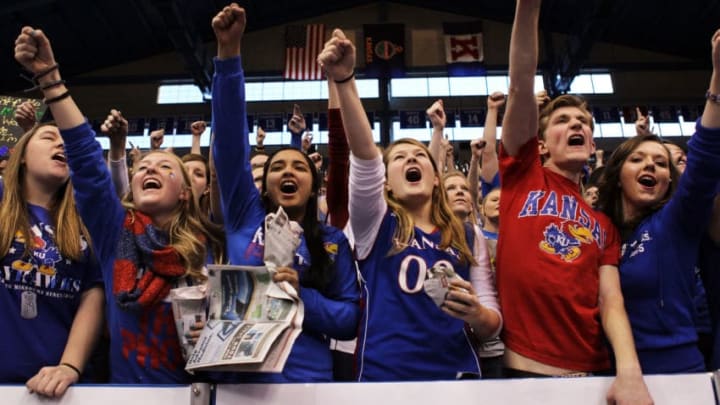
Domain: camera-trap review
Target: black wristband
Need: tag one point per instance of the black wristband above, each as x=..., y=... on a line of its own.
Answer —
x=70, y=366
x=347, y=79
x=48, y=101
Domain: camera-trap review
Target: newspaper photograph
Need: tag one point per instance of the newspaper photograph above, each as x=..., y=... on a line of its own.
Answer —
x=252, y=322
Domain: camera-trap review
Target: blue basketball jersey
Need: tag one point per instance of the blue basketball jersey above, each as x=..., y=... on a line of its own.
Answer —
x=404, y=335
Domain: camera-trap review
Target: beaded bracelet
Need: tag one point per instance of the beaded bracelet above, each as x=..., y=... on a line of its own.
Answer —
x=715, y=98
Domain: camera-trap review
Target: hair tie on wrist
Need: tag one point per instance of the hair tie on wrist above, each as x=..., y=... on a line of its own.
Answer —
x=45, y=72
x=73, y=368
x=48, y=101
x=347, y=79
x=52, y=84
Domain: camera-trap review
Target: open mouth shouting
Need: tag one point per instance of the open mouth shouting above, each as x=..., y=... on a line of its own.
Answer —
x=413, y=175
x=151, y=184
x=576, y=140
x=647, y=181
x=59, y=157
x=288, y=187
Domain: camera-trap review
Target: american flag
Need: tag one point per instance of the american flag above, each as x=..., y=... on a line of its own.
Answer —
x=303, y=43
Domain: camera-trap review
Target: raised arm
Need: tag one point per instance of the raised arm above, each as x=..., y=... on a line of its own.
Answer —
x=241, y=204
x=473, y=178
x=642, y=123
x=197, y=128
x=338, y=59
x=297, y=126
x=711, y=114
x=366, y=203
x=116, y=128
x=521, y=115
x=436, y=113
x=215, y=207
x=339, y=166
x=489, y=153
x=33, y=51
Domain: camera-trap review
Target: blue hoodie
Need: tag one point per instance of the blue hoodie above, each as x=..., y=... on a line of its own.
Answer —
x=657, y=267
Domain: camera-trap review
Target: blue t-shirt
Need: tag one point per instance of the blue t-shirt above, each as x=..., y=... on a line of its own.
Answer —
x=39, y=295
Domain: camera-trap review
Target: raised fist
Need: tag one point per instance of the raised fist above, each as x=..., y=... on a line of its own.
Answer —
x=198, y=127
x=25, y=115
x=229, y=26
x=156, y=138
x=436, y=113
x=297, y=124
x=542, y=98
x=476, y=147
x=338, y=56
x=115, y=125
x=33, y=50
x=497, y=100
x=260, y=137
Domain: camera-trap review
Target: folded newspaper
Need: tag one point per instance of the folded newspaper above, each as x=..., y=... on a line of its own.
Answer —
x=253, y=321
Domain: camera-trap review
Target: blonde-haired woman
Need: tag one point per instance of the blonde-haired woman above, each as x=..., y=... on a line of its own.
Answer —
x=154, y=241
x=404, y=228
x=51, y=289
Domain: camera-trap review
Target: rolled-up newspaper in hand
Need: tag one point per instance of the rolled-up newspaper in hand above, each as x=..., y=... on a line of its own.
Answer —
x=189, y=306
x=282, y=237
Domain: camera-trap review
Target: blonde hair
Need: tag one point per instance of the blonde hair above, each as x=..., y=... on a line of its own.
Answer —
x=189, y=228
x=452, y=230
x=472, y=217
x=69, y=227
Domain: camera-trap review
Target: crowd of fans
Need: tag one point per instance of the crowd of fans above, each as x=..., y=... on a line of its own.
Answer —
x=554, y=266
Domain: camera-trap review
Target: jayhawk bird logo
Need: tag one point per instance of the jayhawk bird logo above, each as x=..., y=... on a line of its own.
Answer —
x=565, y=244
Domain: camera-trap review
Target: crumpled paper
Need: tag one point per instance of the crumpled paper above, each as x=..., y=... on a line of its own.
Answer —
x=437, y=283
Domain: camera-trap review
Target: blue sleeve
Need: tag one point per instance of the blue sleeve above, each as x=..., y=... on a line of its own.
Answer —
x=690, y=208
x=488, y=187
x=241, y=205
x=296, y=140
x=95, y=196
x=337, y=313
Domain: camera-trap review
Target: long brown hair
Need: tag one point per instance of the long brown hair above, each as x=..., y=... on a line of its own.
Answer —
x=69, y=227
x=452, y=230
x=472, y=216
x=190, y=228
x=203, y=200
x=610, y=190
x=322, y=270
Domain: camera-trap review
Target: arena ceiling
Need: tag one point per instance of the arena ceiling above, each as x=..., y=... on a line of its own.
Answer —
x=95, y=34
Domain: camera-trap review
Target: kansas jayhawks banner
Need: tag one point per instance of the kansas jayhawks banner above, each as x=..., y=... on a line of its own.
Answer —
x=464, y=48
x=384, y=50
